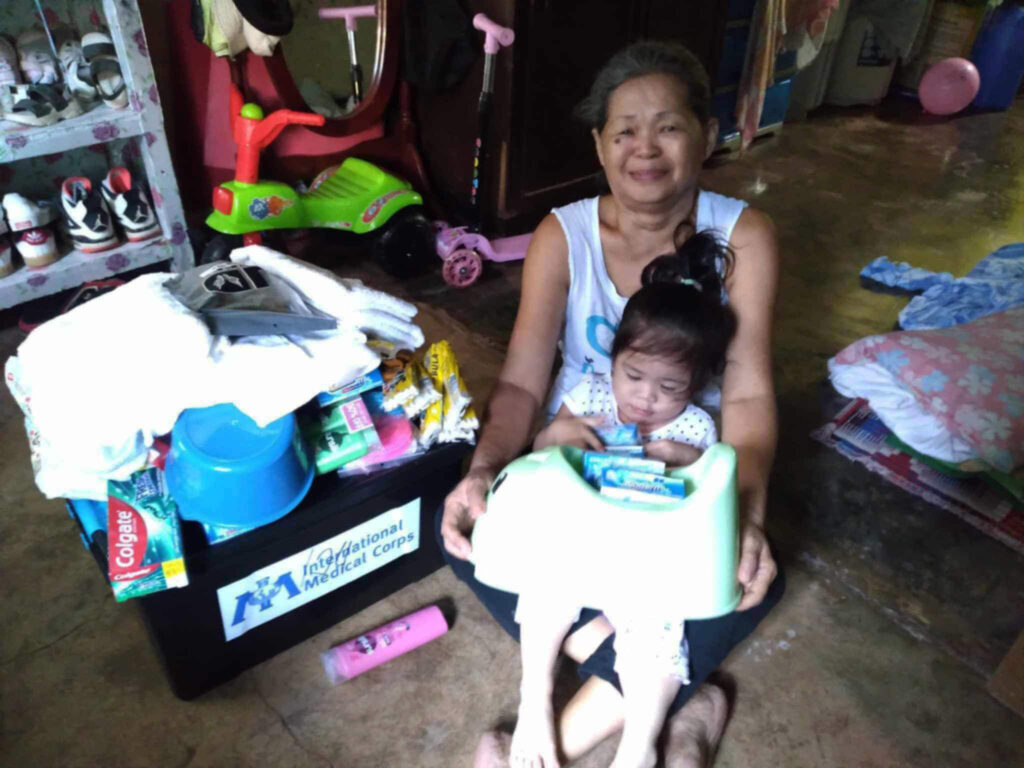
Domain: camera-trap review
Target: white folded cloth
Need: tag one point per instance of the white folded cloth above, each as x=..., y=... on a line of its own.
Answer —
x=98, y=383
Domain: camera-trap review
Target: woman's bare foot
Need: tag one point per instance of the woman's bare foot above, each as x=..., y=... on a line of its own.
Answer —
x=693, y=733
x=533, y=742
x=492, y=750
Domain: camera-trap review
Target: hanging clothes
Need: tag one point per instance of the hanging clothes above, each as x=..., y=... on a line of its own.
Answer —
x=773, y=21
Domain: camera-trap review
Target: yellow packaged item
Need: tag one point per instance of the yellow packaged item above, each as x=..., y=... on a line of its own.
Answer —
x=428, y=394
x=444, y=370
x=400, y=390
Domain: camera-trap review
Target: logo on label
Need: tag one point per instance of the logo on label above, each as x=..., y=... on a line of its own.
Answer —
x=128, y=541
x=308, y=574
x=262, y=596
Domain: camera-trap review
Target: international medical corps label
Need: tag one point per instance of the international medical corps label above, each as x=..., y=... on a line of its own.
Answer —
x=276, y=589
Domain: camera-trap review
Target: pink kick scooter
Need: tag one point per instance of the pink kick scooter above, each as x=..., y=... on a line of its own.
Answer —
x=464, y=248
x=350, y=15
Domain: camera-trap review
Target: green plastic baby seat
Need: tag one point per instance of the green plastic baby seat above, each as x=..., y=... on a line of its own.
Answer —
x=546, y=527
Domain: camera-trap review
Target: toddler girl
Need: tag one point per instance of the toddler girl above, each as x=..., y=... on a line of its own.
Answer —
x=672, y=338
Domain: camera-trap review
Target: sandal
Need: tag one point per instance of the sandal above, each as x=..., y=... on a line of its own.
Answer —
x=77, y=73
x=41, y=104
x=105, y=70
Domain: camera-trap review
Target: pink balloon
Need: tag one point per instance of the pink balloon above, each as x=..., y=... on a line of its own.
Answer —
x=948, y=86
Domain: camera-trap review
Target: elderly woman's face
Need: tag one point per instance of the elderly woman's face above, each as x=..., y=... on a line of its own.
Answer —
x=652, y=145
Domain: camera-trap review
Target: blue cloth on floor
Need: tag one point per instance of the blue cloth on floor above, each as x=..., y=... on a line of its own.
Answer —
x=899, y=274
x=995, y=284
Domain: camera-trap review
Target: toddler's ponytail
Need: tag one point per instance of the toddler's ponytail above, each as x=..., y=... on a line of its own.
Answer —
x=680, y=311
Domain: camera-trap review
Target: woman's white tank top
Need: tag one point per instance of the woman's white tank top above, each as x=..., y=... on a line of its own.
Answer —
x=594, y=307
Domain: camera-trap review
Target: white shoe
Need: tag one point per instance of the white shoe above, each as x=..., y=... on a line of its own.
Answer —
x=6, y=255
x=23, y=213
x=9, y=74
x=130, y=205
x=77, y=74
x=86, y=216
x=37, y=247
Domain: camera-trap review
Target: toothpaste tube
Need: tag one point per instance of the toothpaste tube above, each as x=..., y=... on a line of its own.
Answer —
x=145, y=552
x=637, y=451
x=594, y=465
x=372, y=380
x=642, y=482
x=350, y=416
x=619, y=435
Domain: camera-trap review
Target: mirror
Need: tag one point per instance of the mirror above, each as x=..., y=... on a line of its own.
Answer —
x=319, y=53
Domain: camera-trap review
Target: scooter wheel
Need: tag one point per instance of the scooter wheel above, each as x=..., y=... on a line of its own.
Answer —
x=462, y=268
x=406, y=246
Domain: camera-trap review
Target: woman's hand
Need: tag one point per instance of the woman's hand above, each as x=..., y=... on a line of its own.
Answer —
x=672, y=453
x=571, y=430
x=757, y=566
x=462, y=507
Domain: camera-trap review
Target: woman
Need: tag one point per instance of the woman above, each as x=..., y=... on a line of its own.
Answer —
x=649, y=113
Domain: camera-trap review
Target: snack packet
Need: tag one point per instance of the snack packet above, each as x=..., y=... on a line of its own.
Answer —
x=444, y=370
x=400, y=390
x=428, y=394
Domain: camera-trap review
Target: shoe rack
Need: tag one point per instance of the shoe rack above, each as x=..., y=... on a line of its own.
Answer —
x=141, y=122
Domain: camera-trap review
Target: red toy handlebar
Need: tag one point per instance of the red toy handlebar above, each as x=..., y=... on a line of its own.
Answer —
x=252, y=135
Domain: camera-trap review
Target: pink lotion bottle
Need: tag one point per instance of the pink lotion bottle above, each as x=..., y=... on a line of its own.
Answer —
x=355, y=656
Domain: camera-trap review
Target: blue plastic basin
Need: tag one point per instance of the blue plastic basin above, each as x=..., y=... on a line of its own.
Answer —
x=223, y=469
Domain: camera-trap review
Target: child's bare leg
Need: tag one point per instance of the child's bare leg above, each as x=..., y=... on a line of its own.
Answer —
x=647, y=692
x=544, y=622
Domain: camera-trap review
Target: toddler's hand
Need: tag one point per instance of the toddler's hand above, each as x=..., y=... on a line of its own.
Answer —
x=578, y=432
x=672, y=453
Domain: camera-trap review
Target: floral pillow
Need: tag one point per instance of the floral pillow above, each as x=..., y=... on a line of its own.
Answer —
x=970, y=377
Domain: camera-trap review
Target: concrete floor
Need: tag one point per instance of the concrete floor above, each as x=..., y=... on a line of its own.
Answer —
x=896, y=613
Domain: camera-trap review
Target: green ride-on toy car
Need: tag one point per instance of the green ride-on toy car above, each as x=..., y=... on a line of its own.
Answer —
x=355, y=196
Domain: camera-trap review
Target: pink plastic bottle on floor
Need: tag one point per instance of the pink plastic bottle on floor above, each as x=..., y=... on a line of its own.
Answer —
x=369, y=650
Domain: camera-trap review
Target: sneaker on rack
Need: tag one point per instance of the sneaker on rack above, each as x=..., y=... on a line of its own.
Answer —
x=37, y=247
x=87, y=216
x=130, y=205
x=9, y=74
x=23, y=213
x=6, y=252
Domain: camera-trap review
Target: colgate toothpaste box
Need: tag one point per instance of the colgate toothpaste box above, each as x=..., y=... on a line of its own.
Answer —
x=144, y=536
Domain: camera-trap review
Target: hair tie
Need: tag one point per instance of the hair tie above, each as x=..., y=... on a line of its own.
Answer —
x=692, y=282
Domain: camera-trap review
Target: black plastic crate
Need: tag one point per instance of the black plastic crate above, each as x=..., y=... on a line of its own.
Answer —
x=187, y=625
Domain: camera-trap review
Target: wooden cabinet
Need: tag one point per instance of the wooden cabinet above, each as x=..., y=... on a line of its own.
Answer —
x=539, y=154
